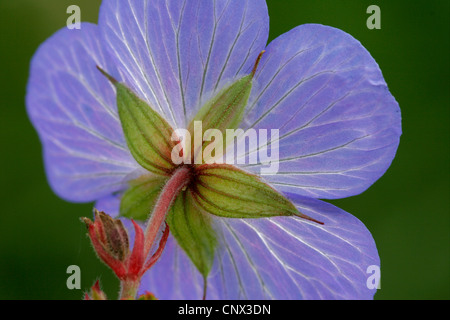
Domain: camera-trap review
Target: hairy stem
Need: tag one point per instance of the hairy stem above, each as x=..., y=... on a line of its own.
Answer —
x=179, y=179
x=129, y=289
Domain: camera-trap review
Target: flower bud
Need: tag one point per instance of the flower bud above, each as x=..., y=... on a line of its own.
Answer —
x=111, y=243
x=110, y=240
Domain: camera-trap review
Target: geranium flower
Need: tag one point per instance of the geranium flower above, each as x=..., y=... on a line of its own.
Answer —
x=339, y=130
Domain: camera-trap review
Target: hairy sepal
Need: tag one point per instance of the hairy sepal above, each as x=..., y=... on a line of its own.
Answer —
x=226, y=191
x=148, y=135
x=140, y=198
x=191, y=227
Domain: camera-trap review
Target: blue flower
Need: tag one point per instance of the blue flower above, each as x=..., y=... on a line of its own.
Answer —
x=339, y=132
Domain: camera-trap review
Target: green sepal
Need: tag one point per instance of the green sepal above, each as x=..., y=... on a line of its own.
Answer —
x=140, y=198
x=226, y=191
x=224, y=111
x=192, y=229
x=148, y=135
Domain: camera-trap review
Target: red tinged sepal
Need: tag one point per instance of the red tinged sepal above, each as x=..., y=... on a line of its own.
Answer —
x=96, y=293
x=111, y=243
x=162, y=243
x=137, y=258
x=147, y=296
x=137, y=263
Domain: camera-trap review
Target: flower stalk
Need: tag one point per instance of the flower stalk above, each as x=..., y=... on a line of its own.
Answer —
x=129, y=289
x=179, y=180
x=111, y=241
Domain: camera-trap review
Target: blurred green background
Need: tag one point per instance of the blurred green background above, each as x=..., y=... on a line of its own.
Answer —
x=407, y=210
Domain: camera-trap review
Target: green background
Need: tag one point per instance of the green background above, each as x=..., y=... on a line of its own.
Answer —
x=407, y=210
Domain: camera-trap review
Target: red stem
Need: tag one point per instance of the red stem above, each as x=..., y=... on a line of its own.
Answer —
x=178, y=180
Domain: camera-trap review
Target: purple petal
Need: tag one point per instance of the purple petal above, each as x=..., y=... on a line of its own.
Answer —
x=73, y=108
x=110, y=205
x=276, y=258
x=176, y=54
x=339, y=125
